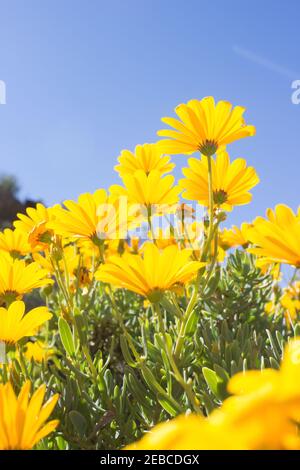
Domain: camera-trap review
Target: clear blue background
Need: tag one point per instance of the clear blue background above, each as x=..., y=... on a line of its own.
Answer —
x=86, y=79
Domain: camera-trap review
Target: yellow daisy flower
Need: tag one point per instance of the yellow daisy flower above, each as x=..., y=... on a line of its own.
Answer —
x=15, y=324
x=38, y=351
x=231, y=181
x=17, y=278
x=235, y=236
x=204, y=126
x=93, y=217
x=146, y=157
x=23, y=418
x=14, y=242
x=290, y=301
x=149, y=190
x=277, y=237
x=35, y=226
x=151, y=273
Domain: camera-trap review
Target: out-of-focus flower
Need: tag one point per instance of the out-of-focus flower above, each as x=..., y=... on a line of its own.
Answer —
x=266, y=405
x=163, y=237
x=262, y=414
x=268, y=266
x=38, y=351
x=146, y=157
x=277, y=237
x=151, y=273
x=204, y=126
x=188, y=432
x=231, y=182
x=23, y=418
x=235, y=236
x=290, y=301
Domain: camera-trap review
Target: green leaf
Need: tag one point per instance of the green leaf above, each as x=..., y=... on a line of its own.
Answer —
x=192, y=323
x=66, y=337
x=168, y=406
x=216, y=384
x=81, y=328
x=208, y=403
x=297, y=330
x=137, y=389
x=274, y=364
x=126, y=353
x=79, y=422
x=273, y=344
x=157, y=388
x=211, y=379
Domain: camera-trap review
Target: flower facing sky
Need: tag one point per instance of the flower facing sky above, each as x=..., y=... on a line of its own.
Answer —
x=23, y=418
x=231, y=181
x=204, y=126
x=146, y=157
x=151, y=273
x=148, y=189
x=278, y=236
x=15, y=324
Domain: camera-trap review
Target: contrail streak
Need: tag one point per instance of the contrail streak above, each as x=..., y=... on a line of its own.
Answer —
x=264, y=62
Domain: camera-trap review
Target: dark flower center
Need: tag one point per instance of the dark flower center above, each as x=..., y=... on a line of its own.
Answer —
x=220, y=196
x=208, y=147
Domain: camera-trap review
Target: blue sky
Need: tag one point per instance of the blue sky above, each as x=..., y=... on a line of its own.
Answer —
x=86, y=79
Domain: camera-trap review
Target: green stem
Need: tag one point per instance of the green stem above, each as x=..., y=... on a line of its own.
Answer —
x=87, y=355
x=150, y=225
x=122, y=325
x=187, y=387
x=206, y=249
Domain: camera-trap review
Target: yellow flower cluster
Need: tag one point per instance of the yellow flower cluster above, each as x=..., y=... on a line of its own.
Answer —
x=74, y=245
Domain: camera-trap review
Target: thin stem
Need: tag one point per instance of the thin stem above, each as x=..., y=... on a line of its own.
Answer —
x=187, y=387
x=122, y=325
x=88, y=357
x=206, y=250
x=150, y=225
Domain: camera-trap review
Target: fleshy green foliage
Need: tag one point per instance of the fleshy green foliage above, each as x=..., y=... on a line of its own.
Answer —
x=108, y=397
